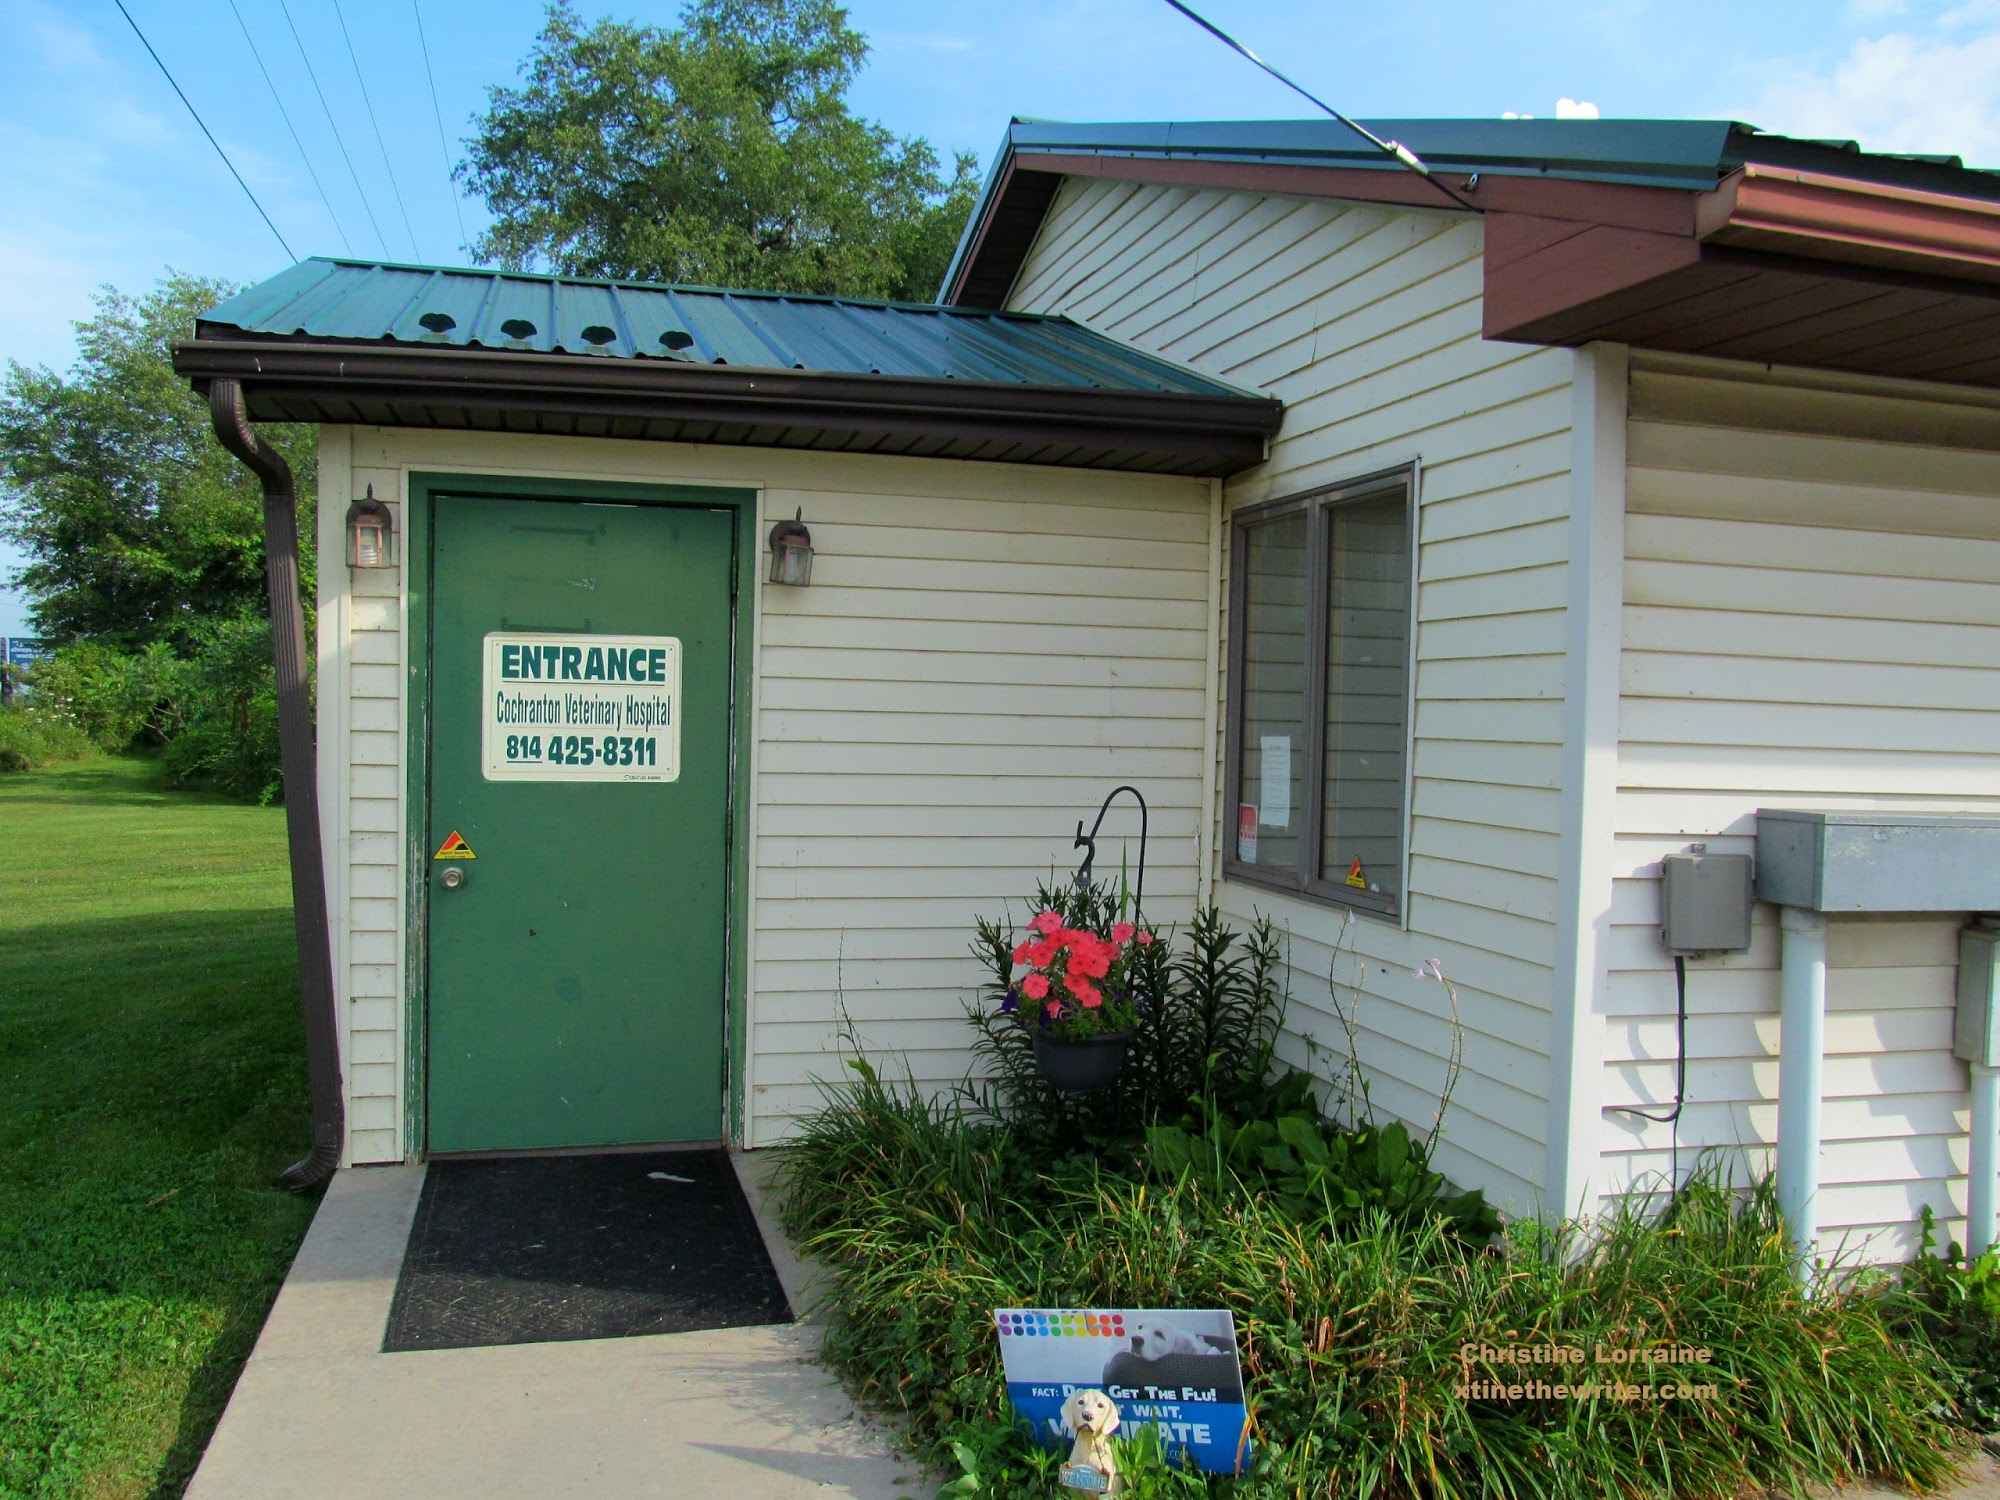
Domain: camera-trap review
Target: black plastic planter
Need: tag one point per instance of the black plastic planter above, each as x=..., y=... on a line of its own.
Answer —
x=1081, y=1067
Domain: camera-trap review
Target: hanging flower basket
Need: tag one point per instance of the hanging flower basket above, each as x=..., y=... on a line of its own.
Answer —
x=1075, y=1000
x=1082, y=1066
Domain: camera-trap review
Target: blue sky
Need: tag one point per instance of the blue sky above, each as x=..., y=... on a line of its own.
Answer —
x=106, y=180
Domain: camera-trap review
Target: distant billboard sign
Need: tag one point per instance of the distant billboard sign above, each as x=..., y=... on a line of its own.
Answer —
x=23, y=650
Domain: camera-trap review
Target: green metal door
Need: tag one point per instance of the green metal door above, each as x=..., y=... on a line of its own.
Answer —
x=576, y=965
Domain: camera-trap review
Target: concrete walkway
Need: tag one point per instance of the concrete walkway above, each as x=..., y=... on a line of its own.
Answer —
x=320, y=1413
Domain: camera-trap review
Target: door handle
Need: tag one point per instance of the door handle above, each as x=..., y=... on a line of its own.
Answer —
x=453, y=877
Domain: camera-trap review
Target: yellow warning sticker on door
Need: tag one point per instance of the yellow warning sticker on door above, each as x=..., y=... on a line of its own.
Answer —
x=455, y=847
x=1354, y=875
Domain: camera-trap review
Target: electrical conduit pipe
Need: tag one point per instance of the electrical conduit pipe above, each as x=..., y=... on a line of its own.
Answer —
x=1801, y=1068
x=1982, y=1160
x=295, y=753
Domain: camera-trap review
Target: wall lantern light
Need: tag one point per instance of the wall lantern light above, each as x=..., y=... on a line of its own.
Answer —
x=371, y=535
x=792, y=552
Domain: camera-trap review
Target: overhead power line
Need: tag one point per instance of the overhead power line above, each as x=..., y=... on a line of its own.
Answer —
x=1394, y=149
x=457, y=207
x=204, y=128
x=334, y=125
x=380, y=144
x=279, y=100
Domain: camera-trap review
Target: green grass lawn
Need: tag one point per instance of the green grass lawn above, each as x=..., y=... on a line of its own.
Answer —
x=152, y=1085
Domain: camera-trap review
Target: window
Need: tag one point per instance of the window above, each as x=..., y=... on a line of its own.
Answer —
x=1319, y=692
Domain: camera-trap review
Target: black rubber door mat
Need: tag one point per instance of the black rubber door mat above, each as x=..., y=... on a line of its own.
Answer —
x=524, y=1250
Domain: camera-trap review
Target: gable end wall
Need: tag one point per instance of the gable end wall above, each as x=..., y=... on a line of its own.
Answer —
x=1365, y=321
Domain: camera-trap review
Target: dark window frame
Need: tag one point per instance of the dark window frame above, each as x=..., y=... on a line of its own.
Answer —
x=1315, y=504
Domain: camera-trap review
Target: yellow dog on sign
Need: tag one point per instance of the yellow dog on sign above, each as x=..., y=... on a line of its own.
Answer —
x=1092, y=1467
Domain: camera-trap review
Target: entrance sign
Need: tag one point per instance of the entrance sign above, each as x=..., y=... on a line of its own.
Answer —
x=1171, y=1369
x=581, y=707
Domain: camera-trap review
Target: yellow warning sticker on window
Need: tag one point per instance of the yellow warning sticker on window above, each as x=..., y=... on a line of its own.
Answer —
x=455, y=847
x=1354, y=875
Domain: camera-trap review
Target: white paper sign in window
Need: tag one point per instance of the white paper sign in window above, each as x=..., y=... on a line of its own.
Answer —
x=1274, y=808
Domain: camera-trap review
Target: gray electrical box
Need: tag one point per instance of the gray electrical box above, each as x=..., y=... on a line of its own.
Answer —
x=1705, y=903
x=1975, y=1036
x=1878, y=861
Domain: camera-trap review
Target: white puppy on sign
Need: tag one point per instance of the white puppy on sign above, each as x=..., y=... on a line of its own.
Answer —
x=1093, y=1417
x=1158, y=1340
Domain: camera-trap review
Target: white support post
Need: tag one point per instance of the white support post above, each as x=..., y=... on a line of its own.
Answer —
x=1981, y=1165
x=1595, y=617
x=1801, y=1060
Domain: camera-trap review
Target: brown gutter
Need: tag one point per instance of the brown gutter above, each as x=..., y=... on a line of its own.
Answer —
x=1818, y=217
x=1211, y=428
x=295, y=752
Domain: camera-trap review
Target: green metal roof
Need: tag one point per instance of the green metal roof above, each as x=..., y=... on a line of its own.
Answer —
x=447, y=307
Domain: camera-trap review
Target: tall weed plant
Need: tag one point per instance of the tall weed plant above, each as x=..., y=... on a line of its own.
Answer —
x=1952, y=1300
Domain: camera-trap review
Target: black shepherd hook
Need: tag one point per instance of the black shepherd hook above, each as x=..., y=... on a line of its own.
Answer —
x=1088, y=843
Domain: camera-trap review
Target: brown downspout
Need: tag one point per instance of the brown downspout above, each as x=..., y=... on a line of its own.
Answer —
x=295, y=751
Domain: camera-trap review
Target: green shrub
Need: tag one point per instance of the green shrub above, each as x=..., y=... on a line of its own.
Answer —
x=929, y=1218
x=1953, y=1301
x=111, y=695
x=31, y=737
x=221, y=730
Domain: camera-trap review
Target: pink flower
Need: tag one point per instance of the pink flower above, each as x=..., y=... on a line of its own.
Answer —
x=1084, y=990
x=1144, y=938
x=1021, y=952
x=1122, y=932
x=1035, y=986
x=1054, y=1008
x=1041, y=954
x=1045, y=922
x=1092, y=1001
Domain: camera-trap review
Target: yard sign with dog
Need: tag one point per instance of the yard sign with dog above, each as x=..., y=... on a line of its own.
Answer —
x=1172, y=1369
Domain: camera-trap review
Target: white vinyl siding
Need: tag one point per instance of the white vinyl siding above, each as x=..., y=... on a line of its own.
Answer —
x=1811, y=619
x=1365, y=321
x=984, y=652
x=361, y=694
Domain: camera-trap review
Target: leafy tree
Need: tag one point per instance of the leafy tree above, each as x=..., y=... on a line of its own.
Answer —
x=720, y=153
x=137, y=525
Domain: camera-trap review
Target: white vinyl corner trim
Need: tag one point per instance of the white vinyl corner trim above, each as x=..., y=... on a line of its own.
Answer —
x=1596, y=589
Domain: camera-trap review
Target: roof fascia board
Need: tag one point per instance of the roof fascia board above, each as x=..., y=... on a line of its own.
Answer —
x=1234, y=428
